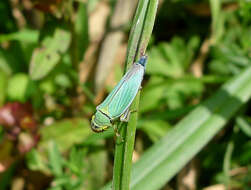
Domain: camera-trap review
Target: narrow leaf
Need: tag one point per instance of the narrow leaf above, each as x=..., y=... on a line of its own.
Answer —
x=243, y=124
x=166, y=157
x=55, y=159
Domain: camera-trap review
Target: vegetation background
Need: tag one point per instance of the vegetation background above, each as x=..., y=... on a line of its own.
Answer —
x=60, y=58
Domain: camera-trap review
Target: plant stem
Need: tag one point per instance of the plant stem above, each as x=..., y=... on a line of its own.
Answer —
x=140, y=34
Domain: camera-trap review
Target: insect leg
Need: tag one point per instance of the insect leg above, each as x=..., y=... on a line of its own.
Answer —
x=116, y=128
x=125, y=116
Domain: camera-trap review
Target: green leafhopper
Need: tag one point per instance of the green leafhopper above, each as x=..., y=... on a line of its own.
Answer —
x=117, y=103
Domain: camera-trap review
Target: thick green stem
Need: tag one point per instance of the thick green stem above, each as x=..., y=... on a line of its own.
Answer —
x=138, y=40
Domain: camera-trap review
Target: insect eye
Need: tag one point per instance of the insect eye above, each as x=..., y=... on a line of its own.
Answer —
x=97, y=128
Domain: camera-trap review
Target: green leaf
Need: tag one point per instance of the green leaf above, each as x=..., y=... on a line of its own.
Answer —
x=244, y=125
x=173, y=93
x=24, y=35
x=92, y=5
x=154, y=128
x=3, y=85
x=48, y=56
x=4, y=62
x=55, y=159
x=227, y=161
x=48, y=86
x=20, y=88
x=65, y=133
x=81, y=29
x=75, y=162
x=135, y=33
x=63, y=80
x=178, y=92
x=55, y=188
x=172, y=59
x=97, y=162
x=217, y=20
x=166, y=157
x=35, y=161
x=12, y=60
x=154, y=88
x=245, y=8
x=160, y=64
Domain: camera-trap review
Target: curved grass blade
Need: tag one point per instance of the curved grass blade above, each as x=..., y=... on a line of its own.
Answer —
x=161, y=162
x=165, y=158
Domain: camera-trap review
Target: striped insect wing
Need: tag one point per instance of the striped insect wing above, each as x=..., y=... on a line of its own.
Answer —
x=123, y=94
x=104, y=105
x=127, y=91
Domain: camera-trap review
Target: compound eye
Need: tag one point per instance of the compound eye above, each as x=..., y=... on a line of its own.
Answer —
x=96, y=128
x=93, y=125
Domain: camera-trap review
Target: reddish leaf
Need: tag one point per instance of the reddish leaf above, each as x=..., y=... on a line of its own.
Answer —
x=16, y=117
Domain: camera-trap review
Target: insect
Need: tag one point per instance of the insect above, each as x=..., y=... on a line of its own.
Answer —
x=117, y=103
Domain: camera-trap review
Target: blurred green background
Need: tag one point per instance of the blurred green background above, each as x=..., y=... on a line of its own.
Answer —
x=60, y=58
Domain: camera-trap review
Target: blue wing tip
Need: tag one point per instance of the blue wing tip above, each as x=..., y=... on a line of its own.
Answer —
x=142, y=60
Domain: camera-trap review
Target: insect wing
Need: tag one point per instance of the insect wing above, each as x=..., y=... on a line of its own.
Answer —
x=123, y=94
x=104, y=105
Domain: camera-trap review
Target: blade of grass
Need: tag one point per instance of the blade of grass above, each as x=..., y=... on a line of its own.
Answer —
x=189, y=136
x=217, y=20
x=227, y=161
x=244, y=125
x=148, y=26
x=138, y=40
x=166, y=157
x=135, y=33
